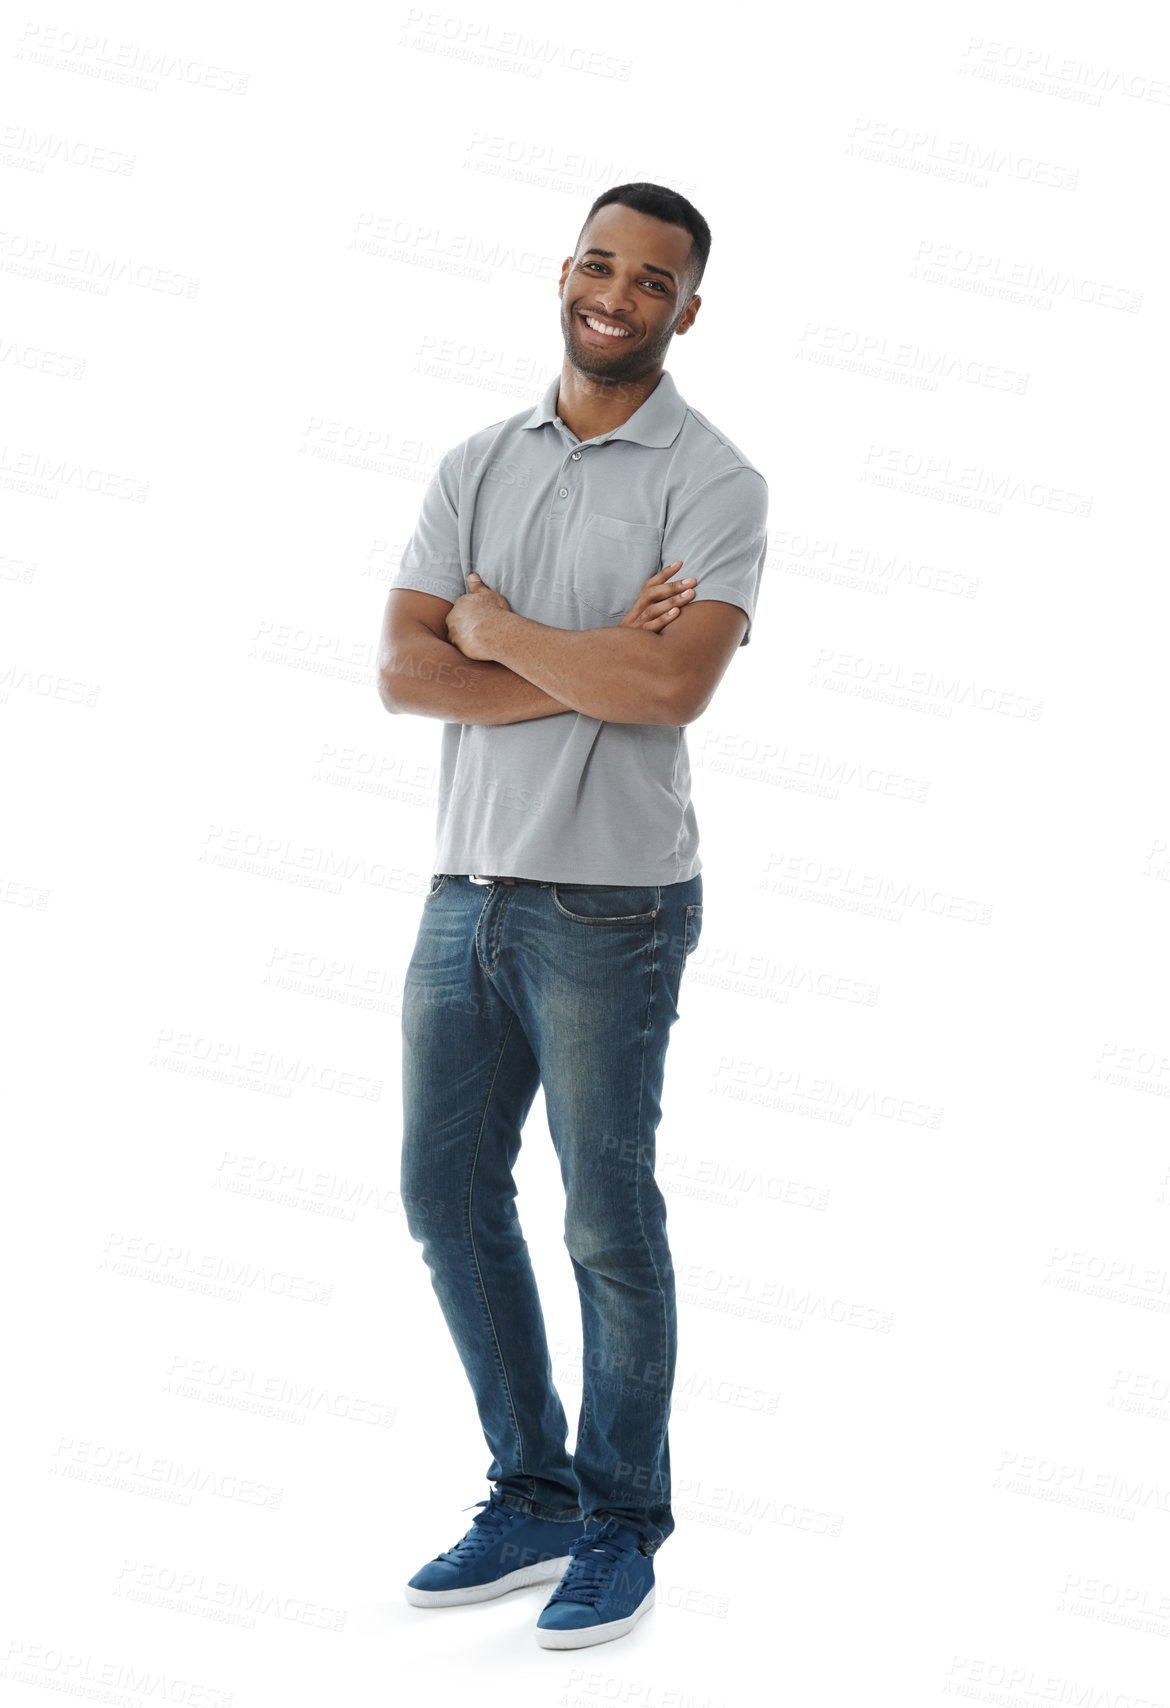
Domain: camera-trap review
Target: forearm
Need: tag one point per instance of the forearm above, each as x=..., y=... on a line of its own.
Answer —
x=432, y=678
x=616, y=674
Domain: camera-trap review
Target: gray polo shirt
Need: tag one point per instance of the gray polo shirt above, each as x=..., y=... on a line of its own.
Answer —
x=568, y=530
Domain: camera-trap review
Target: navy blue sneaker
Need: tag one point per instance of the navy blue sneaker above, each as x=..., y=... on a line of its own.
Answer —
x=606, y=1590
x=504, y=1549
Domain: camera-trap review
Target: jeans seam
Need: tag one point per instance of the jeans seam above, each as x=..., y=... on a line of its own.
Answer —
x=584, y=1430
x=687, y=944
x=649, y=1244
x=475, y=1254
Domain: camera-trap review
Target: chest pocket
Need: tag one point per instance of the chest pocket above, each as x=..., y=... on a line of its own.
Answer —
x=614, y=557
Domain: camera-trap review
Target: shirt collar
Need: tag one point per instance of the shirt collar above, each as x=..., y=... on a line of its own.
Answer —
x=655, y=422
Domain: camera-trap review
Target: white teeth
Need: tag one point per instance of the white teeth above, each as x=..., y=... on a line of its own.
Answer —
x=599, y=326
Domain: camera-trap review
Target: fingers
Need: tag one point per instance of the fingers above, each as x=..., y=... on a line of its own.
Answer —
x=656, y=601
x=672, y=598
x=653, y=615
x=671, y=590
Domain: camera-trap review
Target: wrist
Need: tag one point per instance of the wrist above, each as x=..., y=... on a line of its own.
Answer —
x=493, y=629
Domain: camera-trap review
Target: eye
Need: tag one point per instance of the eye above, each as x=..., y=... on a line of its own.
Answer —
x=600, y=265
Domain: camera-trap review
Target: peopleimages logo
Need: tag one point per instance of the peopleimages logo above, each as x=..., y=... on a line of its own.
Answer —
x=480, y=42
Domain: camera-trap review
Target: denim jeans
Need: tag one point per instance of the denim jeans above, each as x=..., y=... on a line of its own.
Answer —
x=573, y=987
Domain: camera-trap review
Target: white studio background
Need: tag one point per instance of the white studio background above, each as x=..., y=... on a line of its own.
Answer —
x=260, y=270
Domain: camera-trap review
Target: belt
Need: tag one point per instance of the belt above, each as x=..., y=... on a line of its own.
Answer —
x=494, y=880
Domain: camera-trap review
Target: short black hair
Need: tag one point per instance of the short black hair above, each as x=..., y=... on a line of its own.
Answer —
x=668, y=205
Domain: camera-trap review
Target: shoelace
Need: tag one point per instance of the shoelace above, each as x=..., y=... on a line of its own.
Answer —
x=594, y=1559
x=484, y=1529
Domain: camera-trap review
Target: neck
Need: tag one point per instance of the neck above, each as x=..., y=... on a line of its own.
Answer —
x=590, y=407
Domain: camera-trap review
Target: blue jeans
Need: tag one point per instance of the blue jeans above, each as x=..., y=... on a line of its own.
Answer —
x=573, y=987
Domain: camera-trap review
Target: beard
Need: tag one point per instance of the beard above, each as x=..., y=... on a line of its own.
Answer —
x=605, y=367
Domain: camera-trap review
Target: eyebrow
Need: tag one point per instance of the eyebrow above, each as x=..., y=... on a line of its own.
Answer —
x=647, y=266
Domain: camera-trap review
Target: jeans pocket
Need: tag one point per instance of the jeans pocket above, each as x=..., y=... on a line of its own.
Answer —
x=607, y=904
x=438, y=882
x=693, y=929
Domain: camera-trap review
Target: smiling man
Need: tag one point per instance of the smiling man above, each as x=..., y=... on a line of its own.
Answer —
x=531, y=615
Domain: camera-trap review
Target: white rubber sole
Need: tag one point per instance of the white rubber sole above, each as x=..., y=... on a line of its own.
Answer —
x=545, y=1571
x=589, y=1634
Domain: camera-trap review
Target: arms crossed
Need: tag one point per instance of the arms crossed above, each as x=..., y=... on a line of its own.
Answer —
x=475, y=661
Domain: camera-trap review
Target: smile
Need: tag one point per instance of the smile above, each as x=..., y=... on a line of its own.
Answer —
x=603, y=329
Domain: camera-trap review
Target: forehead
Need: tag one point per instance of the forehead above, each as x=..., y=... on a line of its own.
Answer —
x=638, y=237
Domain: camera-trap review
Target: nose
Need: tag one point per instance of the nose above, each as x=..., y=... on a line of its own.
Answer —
x=615, y=296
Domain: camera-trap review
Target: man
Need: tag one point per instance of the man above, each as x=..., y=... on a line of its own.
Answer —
x=530, y=614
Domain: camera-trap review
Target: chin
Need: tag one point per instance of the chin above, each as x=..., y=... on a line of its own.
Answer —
x=583, y=356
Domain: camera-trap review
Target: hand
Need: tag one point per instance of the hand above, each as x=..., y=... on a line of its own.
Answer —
x=659, y=601
x=469, y=619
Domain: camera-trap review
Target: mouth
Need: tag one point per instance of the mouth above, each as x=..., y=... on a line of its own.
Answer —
x=593, y=332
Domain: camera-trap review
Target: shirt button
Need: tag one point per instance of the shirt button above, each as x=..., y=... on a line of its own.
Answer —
x=564, y=492
x=576, y=455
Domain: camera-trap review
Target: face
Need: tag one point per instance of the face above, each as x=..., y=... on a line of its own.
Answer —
x=638, y=286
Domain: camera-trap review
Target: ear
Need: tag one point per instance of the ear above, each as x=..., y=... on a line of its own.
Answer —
x=688, y=316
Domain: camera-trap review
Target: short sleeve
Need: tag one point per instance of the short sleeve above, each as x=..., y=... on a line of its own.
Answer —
x=719, y=528
x=430, y=558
